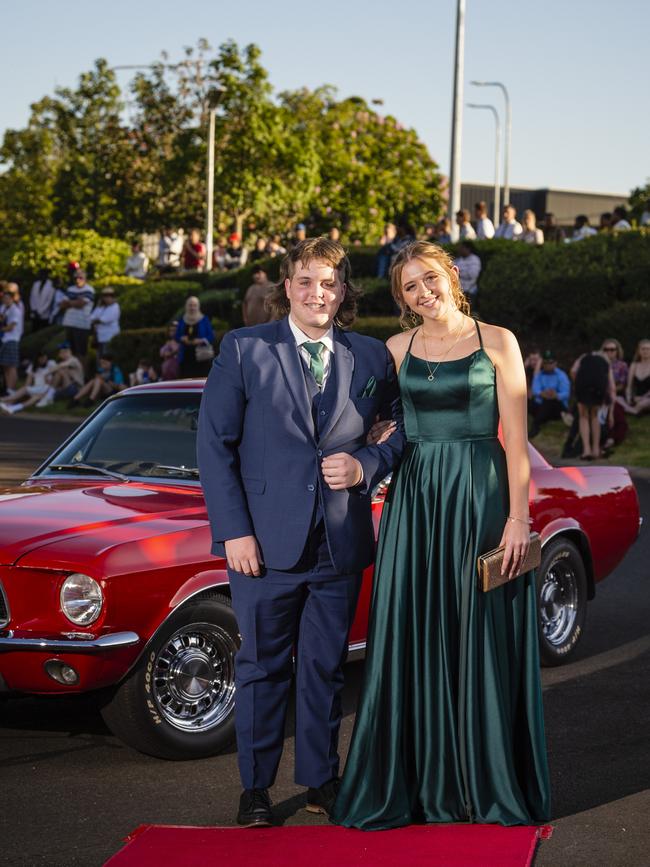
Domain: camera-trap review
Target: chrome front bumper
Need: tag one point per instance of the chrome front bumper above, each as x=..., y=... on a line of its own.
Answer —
x=74, y=644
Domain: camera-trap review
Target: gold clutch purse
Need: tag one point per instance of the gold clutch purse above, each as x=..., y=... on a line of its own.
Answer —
x=489, y=564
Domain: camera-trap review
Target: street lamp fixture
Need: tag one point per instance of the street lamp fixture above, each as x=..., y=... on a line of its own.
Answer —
x=215, y=95
x=497, y=155
x=506, y=161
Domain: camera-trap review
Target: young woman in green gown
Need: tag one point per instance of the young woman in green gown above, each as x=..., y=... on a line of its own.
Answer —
x=450, y=723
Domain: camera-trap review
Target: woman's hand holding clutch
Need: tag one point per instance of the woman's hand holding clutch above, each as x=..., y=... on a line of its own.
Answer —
x=516, y=541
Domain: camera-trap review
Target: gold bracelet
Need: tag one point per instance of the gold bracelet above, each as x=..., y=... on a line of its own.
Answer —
x=512, y=518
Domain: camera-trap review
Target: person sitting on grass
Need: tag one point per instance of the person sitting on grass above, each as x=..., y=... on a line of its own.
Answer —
x=35, y=387
x=551, y=390
x=637, y=393
x=144, y=372
x=107, y=381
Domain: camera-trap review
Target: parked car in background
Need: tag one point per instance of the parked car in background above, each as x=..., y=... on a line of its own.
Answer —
x=107, y=583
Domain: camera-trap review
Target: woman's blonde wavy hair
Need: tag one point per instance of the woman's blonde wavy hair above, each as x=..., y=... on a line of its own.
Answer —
x=309, y=250
x=425, y=251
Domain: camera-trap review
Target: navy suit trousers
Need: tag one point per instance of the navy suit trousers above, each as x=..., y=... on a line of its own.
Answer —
x=310, y=610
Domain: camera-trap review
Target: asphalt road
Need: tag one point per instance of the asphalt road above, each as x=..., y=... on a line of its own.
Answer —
x=70, y=792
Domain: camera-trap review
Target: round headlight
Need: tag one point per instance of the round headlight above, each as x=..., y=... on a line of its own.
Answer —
x=81, y=599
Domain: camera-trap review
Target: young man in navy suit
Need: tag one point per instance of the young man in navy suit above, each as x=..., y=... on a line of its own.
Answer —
x=287, y=477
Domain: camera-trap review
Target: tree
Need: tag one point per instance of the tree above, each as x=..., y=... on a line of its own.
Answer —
x=640, y=201
x=371, y=168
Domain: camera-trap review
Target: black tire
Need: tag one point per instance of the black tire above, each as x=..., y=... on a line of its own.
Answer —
x=178, y=702
x=561, y=601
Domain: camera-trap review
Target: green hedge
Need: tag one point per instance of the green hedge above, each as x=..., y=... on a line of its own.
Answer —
x=381, y=327
x=627, y=321
x=551, y=294
x=97, y=255
x=153, y=303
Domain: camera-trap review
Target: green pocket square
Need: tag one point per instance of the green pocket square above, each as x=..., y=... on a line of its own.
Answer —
x=370, y=388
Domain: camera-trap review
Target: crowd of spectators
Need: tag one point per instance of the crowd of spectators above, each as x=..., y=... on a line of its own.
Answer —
x=592, y=399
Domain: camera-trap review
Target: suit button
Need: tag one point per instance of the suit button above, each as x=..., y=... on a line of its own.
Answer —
x=311, y=487
x=322, y=412
x=320, y=453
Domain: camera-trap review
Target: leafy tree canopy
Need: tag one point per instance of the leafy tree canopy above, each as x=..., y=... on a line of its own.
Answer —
x=95, y=158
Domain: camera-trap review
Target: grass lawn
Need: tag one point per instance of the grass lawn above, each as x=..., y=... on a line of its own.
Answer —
x=634, y=451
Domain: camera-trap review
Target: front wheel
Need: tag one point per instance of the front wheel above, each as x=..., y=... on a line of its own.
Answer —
x=561, y=601
x=179, y=701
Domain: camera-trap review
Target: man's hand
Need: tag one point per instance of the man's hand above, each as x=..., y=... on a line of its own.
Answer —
x=380, y=432
x=243, y=555
x=341, y=471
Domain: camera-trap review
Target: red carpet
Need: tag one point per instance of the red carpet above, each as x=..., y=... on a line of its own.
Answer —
x=329, y=846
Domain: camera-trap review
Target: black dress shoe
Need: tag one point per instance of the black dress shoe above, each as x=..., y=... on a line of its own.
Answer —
x=255, y=809
x=321, y=800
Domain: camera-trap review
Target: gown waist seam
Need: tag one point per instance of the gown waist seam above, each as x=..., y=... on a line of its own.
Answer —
x=417, y=440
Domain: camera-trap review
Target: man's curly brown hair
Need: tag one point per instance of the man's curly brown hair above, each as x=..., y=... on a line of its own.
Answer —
x=310, y=250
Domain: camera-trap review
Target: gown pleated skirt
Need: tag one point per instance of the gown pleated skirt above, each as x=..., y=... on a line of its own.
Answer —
x=450, y=725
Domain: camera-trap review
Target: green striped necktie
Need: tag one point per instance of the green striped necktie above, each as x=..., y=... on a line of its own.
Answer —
x=316, y=364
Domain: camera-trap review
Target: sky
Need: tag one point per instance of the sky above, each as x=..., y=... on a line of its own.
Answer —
x=576, y=70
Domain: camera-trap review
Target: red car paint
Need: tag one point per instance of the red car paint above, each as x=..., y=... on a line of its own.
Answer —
x=148, y=543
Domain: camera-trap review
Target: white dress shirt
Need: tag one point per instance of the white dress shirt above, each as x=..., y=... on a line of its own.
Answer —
x=326, y=354
x=106, y=318
x=509, y=231
x=484, y=228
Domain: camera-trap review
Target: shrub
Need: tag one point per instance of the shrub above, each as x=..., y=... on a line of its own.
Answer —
x=47, y=339
x=376, y=299
x=627, y=321
x=223, y=304
x=152, y=303
x=132, y=344
x=115, y=280
x=98, y=256
x=381, y=327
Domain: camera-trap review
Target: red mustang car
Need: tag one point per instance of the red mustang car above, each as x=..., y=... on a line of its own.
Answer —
x=107, y=583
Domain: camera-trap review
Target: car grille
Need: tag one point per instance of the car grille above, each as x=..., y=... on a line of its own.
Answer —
x=4, y=608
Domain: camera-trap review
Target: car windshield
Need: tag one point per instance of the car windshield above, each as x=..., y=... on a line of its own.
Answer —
x=138, y=435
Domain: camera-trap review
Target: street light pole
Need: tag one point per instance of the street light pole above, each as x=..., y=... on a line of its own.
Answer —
x=506, y=160
x=497, y=156
x=214, y=98
x=457, y=120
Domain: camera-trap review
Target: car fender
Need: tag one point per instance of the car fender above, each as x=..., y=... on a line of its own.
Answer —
x=571, y=528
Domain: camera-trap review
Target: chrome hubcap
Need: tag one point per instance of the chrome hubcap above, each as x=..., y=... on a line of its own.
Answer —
x=558, y=605
x=193, y=681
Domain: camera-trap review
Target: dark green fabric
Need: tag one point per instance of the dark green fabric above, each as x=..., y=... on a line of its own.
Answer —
x=450, y=724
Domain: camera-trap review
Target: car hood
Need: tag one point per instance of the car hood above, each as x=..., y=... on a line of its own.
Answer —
x=49, y=513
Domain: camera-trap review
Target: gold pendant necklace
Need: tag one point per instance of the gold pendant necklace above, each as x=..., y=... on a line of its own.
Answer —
x=432, y=373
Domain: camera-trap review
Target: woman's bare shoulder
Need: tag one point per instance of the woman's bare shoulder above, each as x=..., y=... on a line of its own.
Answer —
x=497, y=338
x=398, y=344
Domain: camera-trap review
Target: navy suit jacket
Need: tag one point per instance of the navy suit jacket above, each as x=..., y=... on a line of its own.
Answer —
x=259, y=451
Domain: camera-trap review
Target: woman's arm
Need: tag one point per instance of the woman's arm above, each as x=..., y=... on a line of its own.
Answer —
x=630, y=382
x=504, y=350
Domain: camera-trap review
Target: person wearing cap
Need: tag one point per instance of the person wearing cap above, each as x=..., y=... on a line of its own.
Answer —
x=299, y=235
x=551, y=390
x=77, y=306
x=236, y=255
x=106, y=319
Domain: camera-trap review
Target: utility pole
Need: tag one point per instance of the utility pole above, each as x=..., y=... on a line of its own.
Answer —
x=457, y=120
x=506, y=156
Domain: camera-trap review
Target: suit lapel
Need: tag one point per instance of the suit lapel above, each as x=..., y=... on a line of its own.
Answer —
x=344, y=371
x=287, y=353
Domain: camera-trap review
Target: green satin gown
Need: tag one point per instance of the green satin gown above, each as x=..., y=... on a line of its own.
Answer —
x=450, y=723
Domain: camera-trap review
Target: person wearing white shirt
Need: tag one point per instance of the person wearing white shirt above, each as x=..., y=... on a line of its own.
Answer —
x=170, y=247
x=465, y=229
x=106, y=319
x=620, y=222
x=11, y=330
x=531, y=234
x=325, y=354
x=35, y=388
x=41, y=300
x=484, y=225
x=582, y=229
x=509, y=228
x=137, y=264
x=469, y=269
